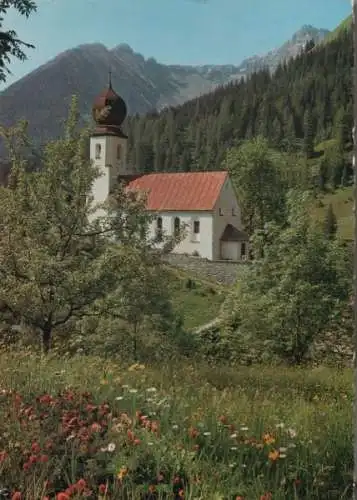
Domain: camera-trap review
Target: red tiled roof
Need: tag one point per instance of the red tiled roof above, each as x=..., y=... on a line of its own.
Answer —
x=180, y=191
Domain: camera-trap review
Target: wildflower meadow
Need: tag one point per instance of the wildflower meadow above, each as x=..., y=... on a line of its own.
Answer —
x=85, y=428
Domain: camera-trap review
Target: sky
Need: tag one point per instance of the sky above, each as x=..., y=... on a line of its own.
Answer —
x=171, y=31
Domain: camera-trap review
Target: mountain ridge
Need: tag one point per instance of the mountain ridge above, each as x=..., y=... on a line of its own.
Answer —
x=42, y=97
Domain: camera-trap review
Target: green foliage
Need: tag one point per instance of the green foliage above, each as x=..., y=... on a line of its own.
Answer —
x=10, y=45
x=296, y=288
x=256, y=175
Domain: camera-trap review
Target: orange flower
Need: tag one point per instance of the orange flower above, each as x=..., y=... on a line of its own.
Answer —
x=181, y=494
x=193, y=433
x=122, y=473
x=274, y=455
x=268, y=438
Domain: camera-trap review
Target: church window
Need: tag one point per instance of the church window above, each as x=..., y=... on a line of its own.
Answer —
x=243, y=249
x=195, y=230
x=233, y=212
x=220, y=211
x=159, y=229
x=176, y=226
x=118, y=151
x=98, y=151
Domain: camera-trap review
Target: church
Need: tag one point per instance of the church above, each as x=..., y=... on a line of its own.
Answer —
x=204, y=204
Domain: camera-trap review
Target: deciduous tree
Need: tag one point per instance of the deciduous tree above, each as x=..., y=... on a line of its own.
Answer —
x=56, y=265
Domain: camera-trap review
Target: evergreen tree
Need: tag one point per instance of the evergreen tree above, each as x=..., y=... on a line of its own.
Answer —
x=308, y=144
x=330, y=223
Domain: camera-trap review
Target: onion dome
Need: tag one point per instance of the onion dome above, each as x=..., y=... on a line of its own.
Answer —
x=109, y=111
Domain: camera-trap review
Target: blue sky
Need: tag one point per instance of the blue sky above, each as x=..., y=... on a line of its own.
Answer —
x=172, y=31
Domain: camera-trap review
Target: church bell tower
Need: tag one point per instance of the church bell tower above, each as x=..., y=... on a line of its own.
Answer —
x=108, y=143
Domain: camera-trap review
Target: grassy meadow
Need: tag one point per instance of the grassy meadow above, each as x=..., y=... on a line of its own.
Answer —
x=197, y=301
x=84, y=428
x=342, y=204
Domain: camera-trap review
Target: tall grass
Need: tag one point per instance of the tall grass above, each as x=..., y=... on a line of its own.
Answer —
x=175, y=431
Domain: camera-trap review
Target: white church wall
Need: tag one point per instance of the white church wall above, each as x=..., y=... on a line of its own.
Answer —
x=227, y=211
x=191, y=243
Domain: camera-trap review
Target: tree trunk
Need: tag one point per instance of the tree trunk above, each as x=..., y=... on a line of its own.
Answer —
x=135, y=347
x=46, y=337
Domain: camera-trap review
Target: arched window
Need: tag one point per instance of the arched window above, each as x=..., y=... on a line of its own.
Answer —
x=98, y=151
x=176, y=226
x=118, y=151
x=159, y=229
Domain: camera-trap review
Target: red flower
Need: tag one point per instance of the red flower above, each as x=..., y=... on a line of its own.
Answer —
x=137, y=441
x=3, y=456
x=102, y=488
x=35, y=447
x=62, y=496
x=16, y=495
x=266, y=496
x=26, y=466
x=96, y=427
x=80, y=485
x=45, y=399
x=43, y=459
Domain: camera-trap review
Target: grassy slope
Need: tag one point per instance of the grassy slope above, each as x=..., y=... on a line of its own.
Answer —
x=197, y=305
x=342, y=203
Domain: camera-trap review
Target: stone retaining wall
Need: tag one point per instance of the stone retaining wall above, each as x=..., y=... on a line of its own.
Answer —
x=224, y=272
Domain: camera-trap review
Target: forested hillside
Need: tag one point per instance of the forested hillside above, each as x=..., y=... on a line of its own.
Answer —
x=305, y=102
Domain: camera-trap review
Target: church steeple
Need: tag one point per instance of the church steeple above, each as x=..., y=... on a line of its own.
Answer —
x=109, y=111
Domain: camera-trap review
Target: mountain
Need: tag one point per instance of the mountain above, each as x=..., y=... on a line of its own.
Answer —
x=289, y=49
x=42, y=97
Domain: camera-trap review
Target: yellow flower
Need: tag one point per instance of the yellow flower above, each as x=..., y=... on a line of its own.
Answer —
x=274, y=455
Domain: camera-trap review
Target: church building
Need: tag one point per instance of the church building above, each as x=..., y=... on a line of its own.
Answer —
x=204, y=204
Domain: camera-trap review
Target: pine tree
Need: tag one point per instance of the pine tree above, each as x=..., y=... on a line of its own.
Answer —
x=308, y=144
x=330, y=223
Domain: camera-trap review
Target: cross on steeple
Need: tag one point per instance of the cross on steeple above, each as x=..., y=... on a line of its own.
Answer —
x=110, y=77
